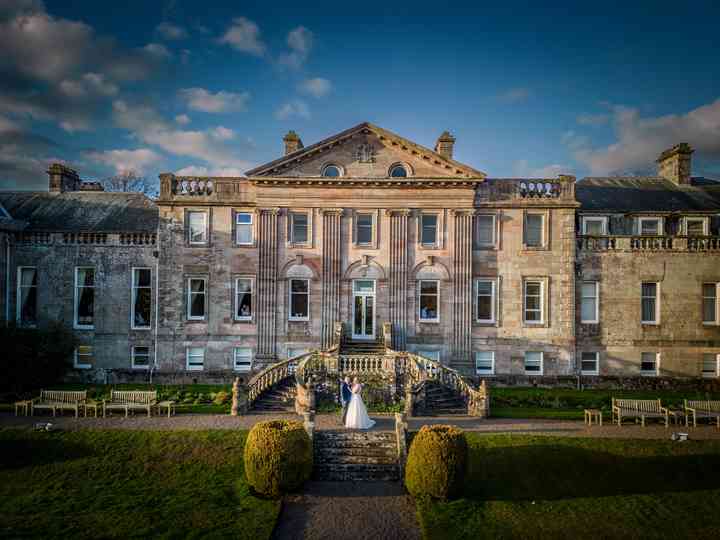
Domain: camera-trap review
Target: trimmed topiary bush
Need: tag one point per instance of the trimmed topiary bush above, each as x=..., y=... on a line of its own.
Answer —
x=436, y=462
x=278, y=457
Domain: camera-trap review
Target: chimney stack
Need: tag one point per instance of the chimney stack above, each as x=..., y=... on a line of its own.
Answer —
x=674, y=164
x=444, y=145
x=292, y=142
x=63, y=178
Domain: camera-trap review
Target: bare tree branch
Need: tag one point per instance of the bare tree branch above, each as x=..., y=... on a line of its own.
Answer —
x=130, y=181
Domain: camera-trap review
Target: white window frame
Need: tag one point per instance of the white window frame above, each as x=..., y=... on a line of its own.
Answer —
x=308, y=228
x=132, y=299
x=76, y=357
x=659, y=221
x=77, y=325
x=716, y=322
x=710, y=374
x=371, y=242
x=492, y=363
x=654, y=373
x=543, y=234
x=190, y=294
x=291, y=317
x=242, y=368
x=596, y=371
x=206, y=234
x=542, y=364
x=189, y=354
x=603, y=223
x=429, y=245
x=134, y=355
x=596, y=317
x=542, y=302
x=237, y=299
x=251, y=225
x=493, y=242
x=657, y=302
x=436, y=319
x=705, y=222
x=493, y=300
x=18, y=296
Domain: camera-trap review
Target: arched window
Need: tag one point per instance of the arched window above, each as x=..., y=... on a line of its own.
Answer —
x=398, y=171
x=332, y=171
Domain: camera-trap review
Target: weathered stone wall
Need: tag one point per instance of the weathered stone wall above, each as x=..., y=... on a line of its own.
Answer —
x=681, y=338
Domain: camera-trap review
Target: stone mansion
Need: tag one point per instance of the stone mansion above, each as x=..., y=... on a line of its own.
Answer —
x=496, y=277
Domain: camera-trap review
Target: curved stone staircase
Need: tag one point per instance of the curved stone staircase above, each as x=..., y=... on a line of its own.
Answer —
x=441, y=400
x=279, y=398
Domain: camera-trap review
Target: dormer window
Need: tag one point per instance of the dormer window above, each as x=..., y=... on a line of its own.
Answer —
x=696, y=226
x=332, y=171
x=594, y=225
x=398, y=171
x=650, y=226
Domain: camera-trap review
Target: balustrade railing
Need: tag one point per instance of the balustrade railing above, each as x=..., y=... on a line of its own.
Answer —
x=360, y=363
x=271, y=375
x=649, y=243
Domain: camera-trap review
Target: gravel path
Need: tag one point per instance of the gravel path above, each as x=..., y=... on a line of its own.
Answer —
x=348, y=510
x=564, y=428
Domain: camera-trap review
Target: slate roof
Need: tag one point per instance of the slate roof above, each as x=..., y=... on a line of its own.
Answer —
x=647, y=194
x=94, y=211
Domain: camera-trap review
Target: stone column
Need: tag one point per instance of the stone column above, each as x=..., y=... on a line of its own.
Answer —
x=331, y=274
x=398, y=275
x=267, y=283
x=462, y=281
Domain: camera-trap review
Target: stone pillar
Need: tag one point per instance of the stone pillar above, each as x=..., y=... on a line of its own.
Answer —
x=398, y=275
x=267, y=283
x=331, y=274
x=462, y=281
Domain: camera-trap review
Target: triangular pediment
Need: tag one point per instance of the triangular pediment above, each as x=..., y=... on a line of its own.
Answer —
x=366, y=151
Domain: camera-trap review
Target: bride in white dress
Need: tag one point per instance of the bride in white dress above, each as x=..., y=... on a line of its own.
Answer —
x=357, y=416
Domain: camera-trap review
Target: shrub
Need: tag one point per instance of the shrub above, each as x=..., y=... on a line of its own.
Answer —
x=436, y=462
x=278, y=457
x=221, y=398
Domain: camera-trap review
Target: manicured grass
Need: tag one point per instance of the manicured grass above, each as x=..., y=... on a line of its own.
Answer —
x=549, y=487
x=128, y=484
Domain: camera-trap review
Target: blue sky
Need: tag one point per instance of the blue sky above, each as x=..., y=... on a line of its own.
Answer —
x=211, y=87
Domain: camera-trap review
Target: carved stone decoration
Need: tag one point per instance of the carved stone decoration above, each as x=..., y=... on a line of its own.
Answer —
x=365, y=153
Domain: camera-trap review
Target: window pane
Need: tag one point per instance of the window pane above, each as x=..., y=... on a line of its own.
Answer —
x=486, y=230
x=244, y=298
x=300, y=228
x=649, y=289
x=533, y=362
x=86, y=306
x=649, y=227
x=28, y=277
x=648, y=309
x=709, y=294
x=299, y=285
x=197, y=227
x=299, y=306
x=593, y=227
x=398, y=172
x=429, y=300
x=364, y=228
x=142, y=302
x=86, y=277
x=242, y=218
x=28, y=296
x=533, y=230
x=428, y=287
x=429, y=229
x=648, y=362
x=243, y=359
x=243, y=234
x=695, y=227
x=484, y=301
x=141, y=356
x=197, y=305
x=588, y=289
x=142, y=277
x=589, y=362
x=710, y=365
x=588, y=309
x=197, y=285
x=484, y=362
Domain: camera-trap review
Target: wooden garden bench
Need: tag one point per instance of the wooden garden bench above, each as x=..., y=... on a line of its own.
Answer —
x=638, y=408
x=59, y=400
x=702, y=409
x=130, y=400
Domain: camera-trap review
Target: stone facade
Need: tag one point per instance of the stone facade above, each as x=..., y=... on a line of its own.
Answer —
x=370, y=230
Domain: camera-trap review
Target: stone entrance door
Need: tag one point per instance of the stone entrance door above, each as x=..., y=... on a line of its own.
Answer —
x=363, y=323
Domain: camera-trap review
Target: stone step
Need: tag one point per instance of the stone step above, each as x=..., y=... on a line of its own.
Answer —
x=443, y=412
x=357, y=473
x=357, y=436
x=260, y=406
x=339, y=453
x=355, y=460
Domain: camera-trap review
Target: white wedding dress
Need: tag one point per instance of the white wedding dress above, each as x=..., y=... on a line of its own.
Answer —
x=357, y=416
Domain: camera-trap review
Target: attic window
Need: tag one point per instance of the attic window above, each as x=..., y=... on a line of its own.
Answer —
x=398, y=171
x=331, y=171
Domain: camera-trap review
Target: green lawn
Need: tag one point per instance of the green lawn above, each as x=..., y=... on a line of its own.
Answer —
x=128, y=484
x=549, y=487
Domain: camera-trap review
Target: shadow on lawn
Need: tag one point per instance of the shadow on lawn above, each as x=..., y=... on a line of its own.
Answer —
x=40, y=450
x=543, y=472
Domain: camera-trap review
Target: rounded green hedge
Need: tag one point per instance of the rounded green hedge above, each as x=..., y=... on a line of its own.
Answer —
x=436, y=462
x=278, y=457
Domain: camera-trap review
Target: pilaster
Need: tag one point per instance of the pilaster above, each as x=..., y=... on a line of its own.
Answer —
x=398, y=275
x=462, y=281
x=331, y=273
x=267, y=283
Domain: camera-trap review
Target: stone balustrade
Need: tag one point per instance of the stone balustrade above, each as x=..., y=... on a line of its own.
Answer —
x=85, y=238
x=649, y=243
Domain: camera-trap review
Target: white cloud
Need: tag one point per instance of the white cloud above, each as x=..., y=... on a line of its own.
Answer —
x=171, y=31
x=209, y=145
x=126, y=160
x=300, y=41
x=515, y=95
x=522, y=169
x=317, y=87
x=196, y=170
x=593, y=119
x=199, y=99
x=244, y=35
x=641, y=139
x=182, y=119
x=90, y=83
x=158, y=50
x=293, y=108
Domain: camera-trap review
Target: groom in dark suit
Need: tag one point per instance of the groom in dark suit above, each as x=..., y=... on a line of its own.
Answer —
x=345, y=395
